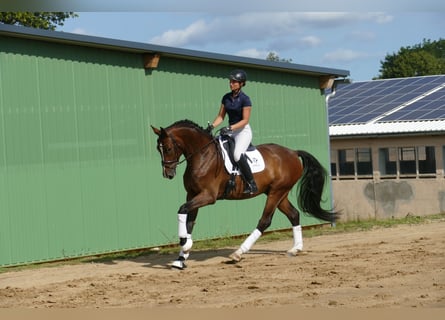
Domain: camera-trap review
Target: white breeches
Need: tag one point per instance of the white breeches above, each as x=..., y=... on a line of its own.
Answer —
x=242, y=137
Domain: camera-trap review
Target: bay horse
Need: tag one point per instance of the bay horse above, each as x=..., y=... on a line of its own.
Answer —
x=205, y=180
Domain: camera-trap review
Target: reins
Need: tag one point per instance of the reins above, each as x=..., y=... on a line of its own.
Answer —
x=198, y=151
x=176, y=144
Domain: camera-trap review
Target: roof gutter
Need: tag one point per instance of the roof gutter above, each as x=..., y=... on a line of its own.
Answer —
x=334, y=89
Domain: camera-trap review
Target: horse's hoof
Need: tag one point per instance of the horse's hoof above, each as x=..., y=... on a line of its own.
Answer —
x=236, y=256
x=179, y=264
x=294, y=252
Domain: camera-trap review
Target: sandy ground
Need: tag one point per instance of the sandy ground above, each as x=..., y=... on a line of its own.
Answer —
x=402, y=266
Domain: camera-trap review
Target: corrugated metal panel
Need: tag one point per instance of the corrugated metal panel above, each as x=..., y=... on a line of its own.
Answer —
x=79, y=170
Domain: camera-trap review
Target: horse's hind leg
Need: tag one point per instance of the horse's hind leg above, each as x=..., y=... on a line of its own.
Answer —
x=294, y=217
x=263, y=224
x=246, y=245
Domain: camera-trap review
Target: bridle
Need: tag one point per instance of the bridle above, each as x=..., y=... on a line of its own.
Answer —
x=172, y=164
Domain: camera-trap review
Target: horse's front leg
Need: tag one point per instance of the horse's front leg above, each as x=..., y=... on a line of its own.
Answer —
x=186, y=220
x=185, y=229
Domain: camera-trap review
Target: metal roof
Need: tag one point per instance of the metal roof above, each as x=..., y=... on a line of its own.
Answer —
x=121, y=45
x=397, y=127
x=390, y=106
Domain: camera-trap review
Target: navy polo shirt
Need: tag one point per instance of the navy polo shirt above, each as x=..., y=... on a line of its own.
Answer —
x=234, y=106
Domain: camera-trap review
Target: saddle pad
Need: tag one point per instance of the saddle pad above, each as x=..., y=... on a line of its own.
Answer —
x=254, y=159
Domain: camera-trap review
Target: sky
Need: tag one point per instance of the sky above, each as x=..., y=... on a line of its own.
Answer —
x=356, y=40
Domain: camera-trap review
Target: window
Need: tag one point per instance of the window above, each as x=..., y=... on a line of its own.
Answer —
x=393, y=162
x=407, y=161
x=427, y=160
x=364, y=161
x=333, y=163
x=443, y=161
x=346, y=162
x=351, y=163
x=388, y=161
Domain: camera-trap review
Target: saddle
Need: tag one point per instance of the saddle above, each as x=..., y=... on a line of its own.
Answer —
x=254, y=157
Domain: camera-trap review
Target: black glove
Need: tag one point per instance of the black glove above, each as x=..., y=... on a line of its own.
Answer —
x=209, y=128
x=226, y=131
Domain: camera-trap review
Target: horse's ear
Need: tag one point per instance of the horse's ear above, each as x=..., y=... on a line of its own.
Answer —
x=156, y=130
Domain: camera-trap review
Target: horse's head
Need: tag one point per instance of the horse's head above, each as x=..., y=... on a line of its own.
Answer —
x=184, y=137
x=170, y=152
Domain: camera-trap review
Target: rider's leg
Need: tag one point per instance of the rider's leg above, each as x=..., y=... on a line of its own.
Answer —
x=244, y=167
x=242, y=140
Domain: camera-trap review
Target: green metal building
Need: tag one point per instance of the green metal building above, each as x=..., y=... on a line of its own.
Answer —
x=79, y=170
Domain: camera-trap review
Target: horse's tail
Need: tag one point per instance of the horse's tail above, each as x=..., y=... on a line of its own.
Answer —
x=311, y=188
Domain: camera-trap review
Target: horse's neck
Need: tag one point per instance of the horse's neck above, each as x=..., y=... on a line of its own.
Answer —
x=193, y=142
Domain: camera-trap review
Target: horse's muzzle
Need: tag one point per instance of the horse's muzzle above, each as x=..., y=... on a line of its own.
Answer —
x=168, y=173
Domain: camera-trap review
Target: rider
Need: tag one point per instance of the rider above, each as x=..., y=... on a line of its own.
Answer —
x=238, y=106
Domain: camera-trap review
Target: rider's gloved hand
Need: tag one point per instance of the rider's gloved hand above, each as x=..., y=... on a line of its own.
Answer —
x=226, y=131
x=209, y=128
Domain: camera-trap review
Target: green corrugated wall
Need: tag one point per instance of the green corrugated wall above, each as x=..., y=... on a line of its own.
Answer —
x=79, y=170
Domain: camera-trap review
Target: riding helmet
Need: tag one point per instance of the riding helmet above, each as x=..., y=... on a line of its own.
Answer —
x=238, y=75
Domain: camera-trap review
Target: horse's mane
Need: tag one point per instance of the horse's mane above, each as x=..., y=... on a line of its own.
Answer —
x=189, y=124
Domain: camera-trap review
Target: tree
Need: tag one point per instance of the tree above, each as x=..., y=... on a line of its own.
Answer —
x=427, y=58
x=39, y=20
x=272, y=56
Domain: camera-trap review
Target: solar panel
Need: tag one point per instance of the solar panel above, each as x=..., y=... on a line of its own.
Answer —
x=431, y=107
x=362, y=102
x=434, y=115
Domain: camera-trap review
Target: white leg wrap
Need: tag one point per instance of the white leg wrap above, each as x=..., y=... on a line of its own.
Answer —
x=184, y=254
x=250, y=241
x=188, y=245
x=298, y=241
x=298, y=238
x=182, y=232
x=182, y=225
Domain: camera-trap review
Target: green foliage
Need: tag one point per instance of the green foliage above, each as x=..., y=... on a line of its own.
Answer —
x=272, y=56
x=427, y=58
x=39, y=20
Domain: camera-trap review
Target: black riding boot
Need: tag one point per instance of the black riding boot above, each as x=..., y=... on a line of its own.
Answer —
x=247, y=175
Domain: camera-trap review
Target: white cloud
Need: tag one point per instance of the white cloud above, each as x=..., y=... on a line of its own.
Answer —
x=343, y=55
x=383, y=18
x=259, y=26
x=228, y=6
x=257, y=34
x=309, y=41
x=362, y=35
x=253, y=53
x=80, y=31
x=182, y=37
